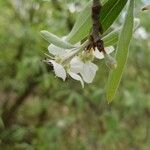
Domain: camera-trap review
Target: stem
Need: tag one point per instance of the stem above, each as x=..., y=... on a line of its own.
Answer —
x=96, y=10
x=73, y=53
x=95, y=38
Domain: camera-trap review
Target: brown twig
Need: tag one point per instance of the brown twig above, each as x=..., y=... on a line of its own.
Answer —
x=95, y=39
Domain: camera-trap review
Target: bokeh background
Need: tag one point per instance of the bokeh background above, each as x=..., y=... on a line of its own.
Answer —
x=41, y=112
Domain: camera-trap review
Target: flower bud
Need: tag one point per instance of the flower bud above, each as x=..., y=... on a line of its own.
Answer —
x=87, y=56
x=146, y=8
x=110, y=62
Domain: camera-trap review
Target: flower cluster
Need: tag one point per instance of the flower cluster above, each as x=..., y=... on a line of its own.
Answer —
x=76, y=62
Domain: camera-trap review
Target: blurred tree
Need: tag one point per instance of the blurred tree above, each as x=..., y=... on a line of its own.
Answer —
x=40, y=112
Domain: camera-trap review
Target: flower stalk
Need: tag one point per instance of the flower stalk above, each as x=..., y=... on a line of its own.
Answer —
x=75, y=52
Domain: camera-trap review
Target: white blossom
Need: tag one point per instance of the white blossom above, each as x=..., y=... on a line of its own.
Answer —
x=86, y=69
x=89, y=71
x=78, y=66
x=76, y=77
x=100, y=55
x=54, y=50
x=59, y=70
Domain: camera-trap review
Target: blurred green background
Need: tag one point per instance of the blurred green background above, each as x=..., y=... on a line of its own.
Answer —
x=41, y=112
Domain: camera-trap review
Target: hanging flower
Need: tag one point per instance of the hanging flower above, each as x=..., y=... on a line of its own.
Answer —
x=61, y=69
x=87, y=69
x=78, y=65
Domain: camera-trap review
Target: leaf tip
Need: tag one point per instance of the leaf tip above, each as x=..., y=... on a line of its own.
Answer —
x=109, y=100
x=42, y=32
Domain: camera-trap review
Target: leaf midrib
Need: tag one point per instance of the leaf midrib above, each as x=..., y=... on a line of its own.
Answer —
x=110, y=11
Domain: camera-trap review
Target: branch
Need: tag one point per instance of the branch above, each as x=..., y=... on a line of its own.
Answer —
x=95, y=39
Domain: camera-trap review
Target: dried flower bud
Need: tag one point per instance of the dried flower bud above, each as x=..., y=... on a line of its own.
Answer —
x=146, y=8
x=110, y=61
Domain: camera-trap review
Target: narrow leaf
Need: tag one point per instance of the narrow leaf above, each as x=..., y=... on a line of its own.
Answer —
x=113, y=37
x=82, y=25
x=121, y=54
x=110, y=11
x=53, y=39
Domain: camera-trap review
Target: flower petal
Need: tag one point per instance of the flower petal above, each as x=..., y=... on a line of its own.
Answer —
x=89, y=71
x=56, y=51
x=109, y=49
x=76, y=65
x=76, y=77
x=100, y=55
x=59, y=70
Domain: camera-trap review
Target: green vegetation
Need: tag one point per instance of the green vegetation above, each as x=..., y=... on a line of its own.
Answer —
x=41, y=112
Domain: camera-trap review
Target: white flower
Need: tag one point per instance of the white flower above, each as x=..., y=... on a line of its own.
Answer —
x=56, y=51
x=76, y=77
x=89, y=71
x=59, y=68
x=86, y=69
x=68, y=62
x=76, y=65
x=100, y=55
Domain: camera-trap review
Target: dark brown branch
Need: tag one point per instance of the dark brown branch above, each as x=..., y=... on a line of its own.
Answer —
x=95, y=37
x=96, y=10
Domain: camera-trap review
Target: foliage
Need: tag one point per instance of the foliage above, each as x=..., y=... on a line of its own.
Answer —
x=121, y=53
x=40, y=112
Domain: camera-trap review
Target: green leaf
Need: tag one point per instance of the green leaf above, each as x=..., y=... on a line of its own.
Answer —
x=121, y=54
x=82, y=25
x=110, y=11
x=113, y=37
x=53, y=39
